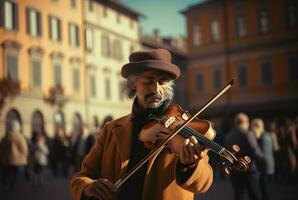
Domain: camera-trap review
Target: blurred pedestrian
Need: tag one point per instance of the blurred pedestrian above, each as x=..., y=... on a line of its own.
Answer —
x=14, y=155
x=40, y=154
x=248, y=180
x=61, y=146
x=266, y=168
x=275, y=134
x=290, y=145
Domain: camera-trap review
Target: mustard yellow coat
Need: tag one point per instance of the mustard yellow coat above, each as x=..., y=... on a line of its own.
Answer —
x=109, y=159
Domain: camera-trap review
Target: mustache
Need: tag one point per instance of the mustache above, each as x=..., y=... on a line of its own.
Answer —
x=153, y=95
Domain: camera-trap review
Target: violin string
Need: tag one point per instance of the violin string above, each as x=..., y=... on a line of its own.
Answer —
x=209, y=143
x=206, y=141
x=191, y=132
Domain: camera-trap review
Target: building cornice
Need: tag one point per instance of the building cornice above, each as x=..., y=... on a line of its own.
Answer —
x=247, y=47
x=11, y=44
x=109, y=31
x=120, y=7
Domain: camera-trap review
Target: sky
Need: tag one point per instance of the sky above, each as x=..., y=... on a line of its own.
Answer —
x=162, y=14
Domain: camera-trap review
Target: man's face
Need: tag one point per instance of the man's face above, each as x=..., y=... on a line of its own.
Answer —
x=151, y=89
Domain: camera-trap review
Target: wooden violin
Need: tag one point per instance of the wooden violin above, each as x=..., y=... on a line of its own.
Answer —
x=159, y=128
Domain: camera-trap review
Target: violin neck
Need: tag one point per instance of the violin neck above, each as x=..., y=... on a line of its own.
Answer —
x=211, y=145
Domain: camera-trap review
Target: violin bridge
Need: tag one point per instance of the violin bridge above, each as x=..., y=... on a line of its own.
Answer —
x=167, y=122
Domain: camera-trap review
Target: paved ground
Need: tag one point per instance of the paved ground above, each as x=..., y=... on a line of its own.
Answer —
x=58, y=189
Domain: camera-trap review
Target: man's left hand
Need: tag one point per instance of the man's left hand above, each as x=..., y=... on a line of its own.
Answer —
x=191, y=151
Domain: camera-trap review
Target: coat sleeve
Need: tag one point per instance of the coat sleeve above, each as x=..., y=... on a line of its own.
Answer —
x=91, y=166
x=197, y=179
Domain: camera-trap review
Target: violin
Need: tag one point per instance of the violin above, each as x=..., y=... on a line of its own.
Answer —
x=159, y=128
x=174, y=126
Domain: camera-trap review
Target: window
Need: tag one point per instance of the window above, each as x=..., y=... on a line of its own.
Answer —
x=242, y=75
x=291, y=14
x=9, y=15
x=131, y=23
x=76, y=79
x=131, y=49
x=293, y=68
x=74, y=35
x=92, y=86
x=105, y=46
x=263, y=20
x=89, y=39
x=215, y=30
x=108, y=88
x=11, y=65
x=121, y=86
x=55, y=28
x=241, y=26
x=33, y=22
x=36, y=72
x=197, y=37
x=117, y=50
x=118, y=18
x=57, y=74
x=105, y=11
x=266, y=72
x=73, y=3
x=200, y=82
x=216, y=79
x=90, y=5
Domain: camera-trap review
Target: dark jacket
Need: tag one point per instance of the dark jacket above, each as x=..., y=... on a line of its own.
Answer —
x=248, y=146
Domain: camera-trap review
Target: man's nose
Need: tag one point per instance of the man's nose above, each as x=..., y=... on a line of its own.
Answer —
x=155, y=87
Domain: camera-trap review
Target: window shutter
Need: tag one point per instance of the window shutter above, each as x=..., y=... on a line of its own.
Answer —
x=59, y=30
x=50, y=27
x=15, y=16
x=28, y=20
x=39, y=24
x=77, y=35
x=69, y=33
x=2, y=13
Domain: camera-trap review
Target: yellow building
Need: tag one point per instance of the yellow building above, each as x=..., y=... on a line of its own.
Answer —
x=63, y=79
x=112, y=33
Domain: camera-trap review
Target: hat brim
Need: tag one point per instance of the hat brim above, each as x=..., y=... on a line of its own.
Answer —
x=141, y=66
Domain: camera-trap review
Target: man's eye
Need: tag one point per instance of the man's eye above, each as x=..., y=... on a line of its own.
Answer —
x=163, y=82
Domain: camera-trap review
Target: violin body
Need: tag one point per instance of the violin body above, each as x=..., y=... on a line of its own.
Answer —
x=158, y=129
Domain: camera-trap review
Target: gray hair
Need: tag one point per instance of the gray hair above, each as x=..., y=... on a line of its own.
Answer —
x=130, y=90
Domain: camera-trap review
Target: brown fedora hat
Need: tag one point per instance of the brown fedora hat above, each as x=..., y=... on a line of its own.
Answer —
x=157, y=59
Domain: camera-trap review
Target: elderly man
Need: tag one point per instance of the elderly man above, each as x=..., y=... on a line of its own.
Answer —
x=150, y=76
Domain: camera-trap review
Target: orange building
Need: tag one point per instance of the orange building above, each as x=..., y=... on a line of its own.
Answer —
x=42, y=48
x=66, y=57
x=254, y=41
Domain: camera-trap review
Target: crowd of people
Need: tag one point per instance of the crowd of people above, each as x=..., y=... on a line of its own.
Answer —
x=273, y=149
x=23, y=159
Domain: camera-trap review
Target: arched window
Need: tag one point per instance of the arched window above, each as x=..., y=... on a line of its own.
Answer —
x=37, y=122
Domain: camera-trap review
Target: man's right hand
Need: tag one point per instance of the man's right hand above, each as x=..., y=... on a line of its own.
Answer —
x=102, y=189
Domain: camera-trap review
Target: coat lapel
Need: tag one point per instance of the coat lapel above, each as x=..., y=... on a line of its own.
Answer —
x=123, y=134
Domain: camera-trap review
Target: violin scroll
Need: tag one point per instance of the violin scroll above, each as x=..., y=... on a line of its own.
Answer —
x=231, y=162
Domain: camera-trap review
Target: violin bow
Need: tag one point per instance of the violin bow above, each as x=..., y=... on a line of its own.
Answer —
x=162, y=145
